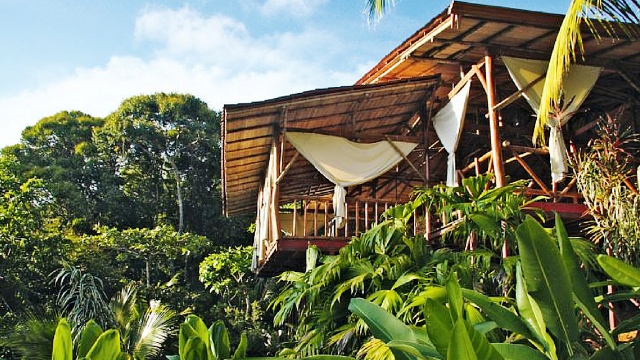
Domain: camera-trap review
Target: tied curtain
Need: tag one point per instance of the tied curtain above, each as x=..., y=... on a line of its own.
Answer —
x=448, y=123
x=266, y=219
x=577, y=84
x=346, y=163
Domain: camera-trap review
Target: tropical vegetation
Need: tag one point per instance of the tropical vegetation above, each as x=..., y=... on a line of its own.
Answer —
x=111, y=234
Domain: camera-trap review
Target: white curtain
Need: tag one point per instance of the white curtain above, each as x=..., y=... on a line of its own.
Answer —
x=346, y=163
x=448, y=123
x=266, y=220
x=577, y=84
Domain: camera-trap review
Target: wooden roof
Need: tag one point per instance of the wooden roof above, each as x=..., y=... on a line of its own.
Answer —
x=360, y=112
x=421, y=72
x=462, y=34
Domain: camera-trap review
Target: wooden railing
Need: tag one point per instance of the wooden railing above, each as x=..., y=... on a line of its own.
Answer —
x=310, y=217
x=518, y=154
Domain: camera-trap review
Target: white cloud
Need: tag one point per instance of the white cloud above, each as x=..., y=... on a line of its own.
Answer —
x=214, y=58
x=298, y=8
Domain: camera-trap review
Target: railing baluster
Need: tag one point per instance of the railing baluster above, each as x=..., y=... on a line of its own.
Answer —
x=304, y=218
x=357, y=231
x=315, y=218
x=326, y=219
x=346, y=220
x=295, y=217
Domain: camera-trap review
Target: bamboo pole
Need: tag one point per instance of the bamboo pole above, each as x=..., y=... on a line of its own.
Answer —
x=496, y=144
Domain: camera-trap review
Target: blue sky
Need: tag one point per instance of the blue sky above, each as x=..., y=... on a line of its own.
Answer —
x=90, y=55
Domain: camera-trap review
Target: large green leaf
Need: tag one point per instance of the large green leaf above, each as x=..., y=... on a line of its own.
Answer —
x=106, y=347
x=547, y=280
x=384, y=325
x=439, y=325
x=486, y=223
x=504, y=317
x=418, y=350
x=88, y=337
x=460, y=347
x=620, y=271
x=518, y=352
x=219, y=341
x=581, y=290
x=192, y=327
x=241, y=350
x=531, y=313
x=194, y=349
x=62, y=343
x=481, y=345
x=454, y=295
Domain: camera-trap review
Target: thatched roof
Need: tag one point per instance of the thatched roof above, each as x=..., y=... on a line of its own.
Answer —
x=361, y=112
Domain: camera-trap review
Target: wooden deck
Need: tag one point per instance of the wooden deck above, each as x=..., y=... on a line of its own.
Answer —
x=289, y=253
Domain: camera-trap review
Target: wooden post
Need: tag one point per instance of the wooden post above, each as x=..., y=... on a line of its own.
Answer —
x=496, y=144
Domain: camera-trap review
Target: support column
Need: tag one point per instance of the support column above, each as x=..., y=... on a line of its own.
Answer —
x=496, y=143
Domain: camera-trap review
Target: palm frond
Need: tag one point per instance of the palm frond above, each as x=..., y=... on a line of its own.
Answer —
x=155, y=326
x=32, y=336
x=611, y=16
x=377, y=8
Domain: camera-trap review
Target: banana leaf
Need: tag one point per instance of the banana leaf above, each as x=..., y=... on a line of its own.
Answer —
x=620, y=271
x=581, y=290
x=88, y=337
x=106, y=347
x=547, y=280
x=62, y=343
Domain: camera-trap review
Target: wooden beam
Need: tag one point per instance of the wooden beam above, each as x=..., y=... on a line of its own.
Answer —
x=472, y=165
x=466, y=78
x=513, y=97
x=406, y=159
x=629, y=80
x=533, y=175
x=286, y=168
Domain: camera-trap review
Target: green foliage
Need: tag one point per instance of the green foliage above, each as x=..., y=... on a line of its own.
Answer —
x=398, y=271
x=165, y=149
x=547, y=280
x=143, y=328
x=491, y=214
x=30, y=244
x=230, y=267
x=82, y=298
x=108, y=196
x=106, y=346
x=240, y=298
x=198, y=342
x=455, y=330
x=31, y=337
x=601, y=173
x=59, y=150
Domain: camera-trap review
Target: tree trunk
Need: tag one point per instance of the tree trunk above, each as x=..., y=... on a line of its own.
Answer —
x=176, y=175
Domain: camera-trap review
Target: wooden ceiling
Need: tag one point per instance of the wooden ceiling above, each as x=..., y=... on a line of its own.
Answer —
x=361, y=113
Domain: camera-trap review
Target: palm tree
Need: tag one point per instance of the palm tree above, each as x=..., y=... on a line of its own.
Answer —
x=143, y=327
x=142, y=331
